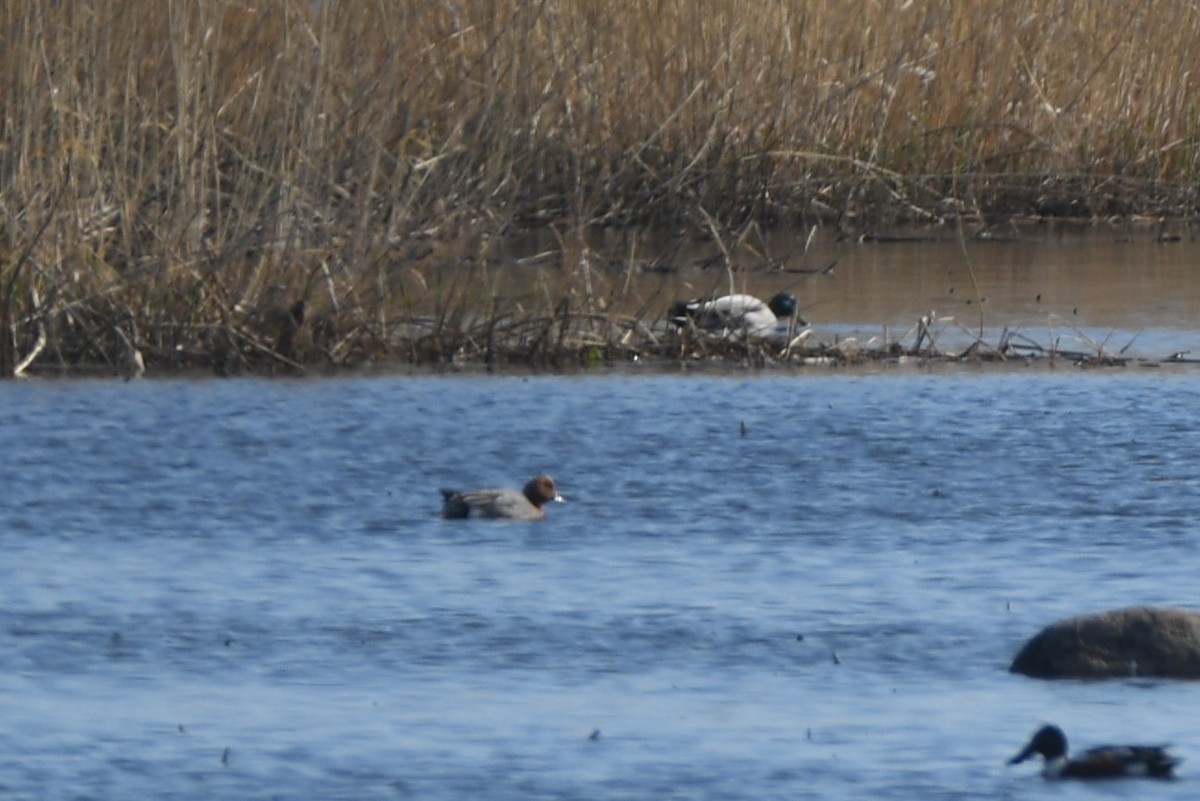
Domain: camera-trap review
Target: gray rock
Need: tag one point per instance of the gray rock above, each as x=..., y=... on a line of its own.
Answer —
x=1140, y=641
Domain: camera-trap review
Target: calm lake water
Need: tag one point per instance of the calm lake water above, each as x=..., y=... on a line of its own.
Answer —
x=242, y=589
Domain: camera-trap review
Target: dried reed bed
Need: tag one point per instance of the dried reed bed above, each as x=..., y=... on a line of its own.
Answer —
x=255, y=184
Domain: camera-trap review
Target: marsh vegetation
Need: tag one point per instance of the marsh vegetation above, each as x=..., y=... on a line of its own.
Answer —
x=278, y=184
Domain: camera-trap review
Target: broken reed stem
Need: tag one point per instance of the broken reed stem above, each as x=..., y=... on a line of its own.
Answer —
x=204, y=168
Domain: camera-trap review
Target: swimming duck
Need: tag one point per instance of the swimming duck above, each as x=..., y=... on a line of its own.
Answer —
x=737, y=313
x=1104, y=762
x=506, y=504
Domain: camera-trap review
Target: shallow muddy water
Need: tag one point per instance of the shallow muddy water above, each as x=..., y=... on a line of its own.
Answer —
x=242, y=589
x=1126, y=289
x=1085, y=287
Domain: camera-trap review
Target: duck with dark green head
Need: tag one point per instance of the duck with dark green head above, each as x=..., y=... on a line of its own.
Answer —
x=737, y=313
x=1102, y=762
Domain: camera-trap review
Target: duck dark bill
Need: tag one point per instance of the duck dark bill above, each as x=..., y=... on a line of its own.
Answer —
x=736, y=313
x=1103, y=762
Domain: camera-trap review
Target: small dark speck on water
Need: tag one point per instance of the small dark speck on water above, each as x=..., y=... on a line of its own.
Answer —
x=359, y=627
x=743, y=428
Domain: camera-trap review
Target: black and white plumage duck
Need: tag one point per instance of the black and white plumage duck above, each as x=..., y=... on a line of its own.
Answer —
x=740, y=313
x=1103, y=762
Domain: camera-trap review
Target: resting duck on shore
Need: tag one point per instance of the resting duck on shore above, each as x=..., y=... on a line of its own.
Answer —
x=1104, y=762
x=502, y=504
x=737, y=313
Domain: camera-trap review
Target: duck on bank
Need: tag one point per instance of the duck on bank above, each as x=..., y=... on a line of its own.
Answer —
x=1102, y=762
x=737, y=313
x=502, y=504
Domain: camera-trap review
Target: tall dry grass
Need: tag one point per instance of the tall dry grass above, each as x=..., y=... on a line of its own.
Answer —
x=244, y=182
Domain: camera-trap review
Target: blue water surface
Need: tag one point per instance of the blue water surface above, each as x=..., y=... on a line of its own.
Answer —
x=242, y=589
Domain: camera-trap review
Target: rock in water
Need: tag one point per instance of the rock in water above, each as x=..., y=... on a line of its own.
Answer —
x=1139, y=641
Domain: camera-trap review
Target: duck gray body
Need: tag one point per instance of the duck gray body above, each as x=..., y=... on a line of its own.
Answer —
x=502, y=504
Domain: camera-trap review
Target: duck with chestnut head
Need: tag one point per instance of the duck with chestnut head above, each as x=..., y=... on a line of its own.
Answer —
x=502, y=504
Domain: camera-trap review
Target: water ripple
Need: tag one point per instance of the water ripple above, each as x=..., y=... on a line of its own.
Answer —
x=771, y=587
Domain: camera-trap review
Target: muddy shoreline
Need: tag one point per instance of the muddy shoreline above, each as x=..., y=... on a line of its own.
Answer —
x=599, y=301
x=680, y=355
